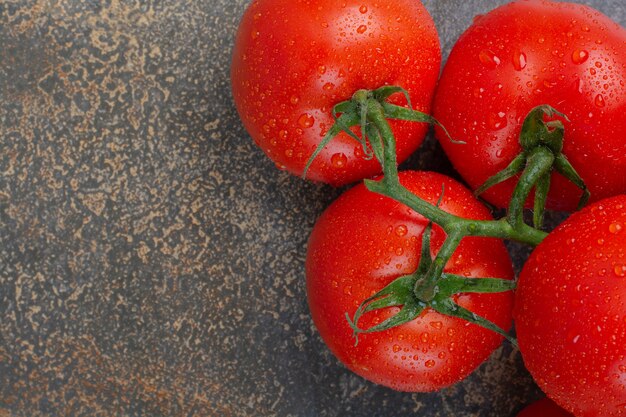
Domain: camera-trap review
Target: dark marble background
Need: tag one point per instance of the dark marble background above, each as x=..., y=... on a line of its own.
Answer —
x=151, y=257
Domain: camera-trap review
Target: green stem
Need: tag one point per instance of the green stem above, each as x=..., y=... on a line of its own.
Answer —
x=426, y=287
x=539, y=164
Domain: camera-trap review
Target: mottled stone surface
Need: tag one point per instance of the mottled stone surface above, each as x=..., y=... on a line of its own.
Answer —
x=151, y=257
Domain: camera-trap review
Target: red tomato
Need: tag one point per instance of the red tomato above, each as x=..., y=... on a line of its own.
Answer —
x=570, y=311
x=295, y=59
x=528, y=53
x=544, y=408
x=361, y=243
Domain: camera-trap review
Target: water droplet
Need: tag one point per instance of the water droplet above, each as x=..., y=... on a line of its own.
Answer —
x=430, y=363
x=436, y=324
x=283, y=134
x=599, y=100
x=488, y=58
x=339, y=160
x=541, y=40
x=575, y=339
x=497, y=121
x=615, y=227
x=321, y=70
x=329, y=86
x=620, y=270
x=289, y=153
x=306, y=120
x=401, y=230
x=396, y=348
x=363, y=9
x=579, y=56
x=361, y=29
x=294, y=100
x=519, y=60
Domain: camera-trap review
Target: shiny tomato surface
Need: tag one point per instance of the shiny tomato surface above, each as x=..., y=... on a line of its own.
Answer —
x=570, y=311
x=361, y=243
x=295, y=59
x=528, y=53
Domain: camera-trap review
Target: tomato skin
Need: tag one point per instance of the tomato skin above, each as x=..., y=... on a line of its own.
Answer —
x=570, y=311
x=295, y=59
x=544, y=408
x=528, y=53
x=361, y=243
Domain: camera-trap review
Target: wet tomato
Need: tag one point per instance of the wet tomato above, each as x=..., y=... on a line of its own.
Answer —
x=525, y=54
x=295, y=59
x=570, y=311
x=364, y=241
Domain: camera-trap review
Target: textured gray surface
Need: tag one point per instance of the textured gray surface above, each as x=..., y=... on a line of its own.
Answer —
x=151, y=257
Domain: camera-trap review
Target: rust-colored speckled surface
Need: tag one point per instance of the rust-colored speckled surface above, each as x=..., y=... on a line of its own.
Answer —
x=151, y=257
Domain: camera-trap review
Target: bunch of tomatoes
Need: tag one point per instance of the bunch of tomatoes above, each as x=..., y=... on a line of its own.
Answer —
x=414, y=303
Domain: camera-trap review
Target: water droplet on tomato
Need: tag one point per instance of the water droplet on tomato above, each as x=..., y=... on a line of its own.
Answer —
x=615, y=227
x=488, y=58
x=339, y=160
x=576, y=338
x=497, y=121
x=519, y=60
x=579, y=56
x=429, y=363
x=289, y=153
x=363, y=9
x=401, y=230
x=294, y=100
x=620, y=270
x=599, y=100
x=396, y=348
x=361, y=29
x=306, y=120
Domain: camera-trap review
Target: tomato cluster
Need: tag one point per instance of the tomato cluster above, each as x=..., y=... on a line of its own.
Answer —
x=407, y=276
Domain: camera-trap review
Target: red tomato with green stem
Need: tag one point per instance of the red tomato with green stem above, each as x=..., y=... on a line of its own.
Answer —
x=294, y=60
x=570, y=311
x=364, y=241
x=544, y=408
x=525, y=54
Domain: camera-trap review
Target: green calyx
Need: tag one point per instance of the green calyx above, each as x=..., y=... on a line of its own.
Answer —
x=407, y=292
x=542, y=146
x=366, y=109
